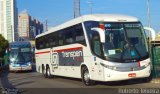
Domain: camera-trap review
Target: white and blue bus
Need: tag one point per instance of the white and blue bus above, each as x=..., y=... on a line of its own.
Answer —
x=20, y=56
x=97, y=47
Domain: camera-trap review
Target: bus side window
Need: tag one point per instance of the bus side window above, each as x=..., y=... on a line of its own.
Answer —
x=37, y=43
x=96, y=44
x=69, y=37
x=47, y=41
x=94, y=38
x=79, y=34
x=41, y=43
x=53, y=39
x=61, y=38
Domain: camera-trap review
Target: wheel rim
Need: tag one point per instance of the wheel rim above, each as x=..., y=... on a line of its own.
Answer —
x=86, y=76
x=43, y=71
x=48, y=72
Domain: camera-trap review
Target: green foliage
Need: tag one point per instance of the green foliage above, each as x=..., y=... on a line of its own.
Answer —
x=3, y=45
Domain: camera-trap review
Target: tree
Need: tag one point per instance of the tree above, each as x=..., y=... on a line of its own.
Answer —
x=3, y=45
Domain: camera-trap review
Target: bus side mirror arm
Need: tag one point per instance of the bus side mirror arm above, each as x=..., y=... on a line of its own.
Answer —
x=152, y=32
x=101, y=33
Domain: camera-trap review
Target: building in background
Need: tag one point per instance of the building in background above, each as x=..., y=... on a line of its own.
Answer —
x=28, y=27
x=36, y=28
x=158, y=36
x=9, y=19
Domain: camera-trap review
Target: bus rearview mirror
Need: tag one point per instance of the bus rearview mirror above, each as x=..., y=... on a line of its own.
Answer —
x=101, y=33
x=152, y=33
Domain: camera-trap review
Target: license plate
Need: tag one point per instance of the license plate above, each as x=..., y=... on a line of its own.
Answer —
x=19, y=68
x=132, y=75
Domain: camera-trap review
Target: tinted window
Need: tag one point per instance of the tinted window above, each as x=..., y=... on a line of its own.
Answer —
x=61, y=37
x=47, y=41
x=79, y=34
x=94, y=38
x=96, y=44
x=70, y=35
x=53, y=39
x=37, y=43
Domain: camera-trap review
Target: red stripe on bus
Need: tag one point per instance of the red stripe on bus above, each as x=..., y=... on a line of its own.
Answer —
x=69, y=49
x=43, y=52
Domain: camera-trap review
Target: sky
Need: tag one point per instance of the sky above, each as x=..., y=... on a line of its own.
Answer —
x=60, y=11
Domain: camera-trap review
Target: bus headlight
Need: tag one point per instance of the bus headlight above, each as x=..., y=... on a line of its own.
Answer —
x=29, y=63
x=12, y=59
x=109, y=67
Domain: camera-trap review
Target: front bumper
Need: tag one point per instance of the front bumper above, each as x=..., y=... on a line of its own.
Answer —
x=20, y=68
x=111, y=75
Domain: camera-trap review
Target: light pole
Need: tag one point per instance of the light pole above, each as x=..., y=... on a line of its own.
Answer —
x=77, y=8
x=47, y=24
x=148, y=11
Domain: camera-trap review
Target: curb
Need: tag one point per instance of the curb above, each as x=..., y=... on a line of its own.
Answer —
x=155, y=81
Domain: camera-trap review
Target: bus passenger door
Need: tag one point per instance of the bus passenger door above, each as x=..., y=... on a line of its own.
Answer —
x=98, y=51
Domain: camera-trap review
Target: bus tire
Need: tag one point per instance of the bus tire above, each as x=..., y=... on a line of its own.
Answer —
x=86, y=77
x=148, y=79
x=44, y=71
x=48, y=72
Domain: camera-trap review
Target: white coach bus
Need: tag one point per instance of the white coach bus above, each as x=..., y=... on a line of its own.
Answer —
x=98, y=47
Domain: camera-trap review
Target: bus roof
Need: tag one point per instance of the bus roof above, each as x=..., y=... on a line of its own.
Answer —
x=93, y=17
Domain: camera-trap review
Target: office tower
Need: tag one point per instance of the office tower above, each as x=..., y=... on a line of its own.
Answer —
x=9, y=19
x=28, y=27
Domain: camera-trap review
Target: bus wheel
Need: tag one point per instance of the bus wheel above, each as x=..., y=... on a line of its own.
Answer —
x=147, y=79
x=48, y=73
x=44, y=71
x=86, y=77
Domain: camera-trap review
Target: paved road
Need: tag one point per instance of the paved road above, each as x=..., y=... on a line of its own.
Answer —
x=29, y=82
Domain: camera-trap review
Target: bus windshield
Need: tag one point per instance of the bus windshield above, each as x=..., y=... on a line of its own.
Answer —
x=20, y=55
x=125, y=42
